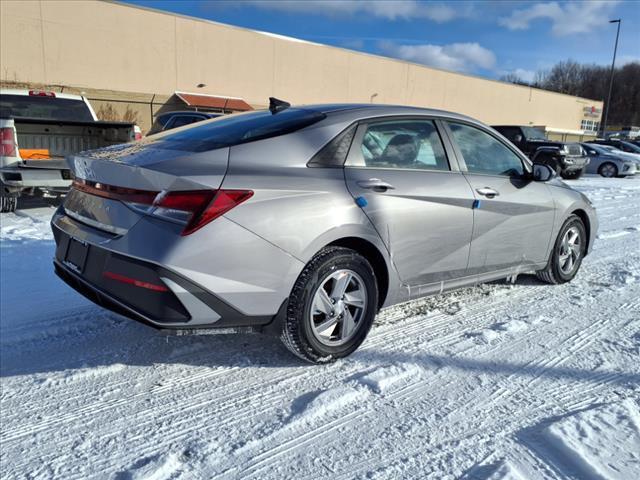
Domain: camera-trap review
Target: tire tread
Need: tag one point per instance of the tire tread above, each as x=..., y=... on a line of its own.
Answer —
x=291, y=336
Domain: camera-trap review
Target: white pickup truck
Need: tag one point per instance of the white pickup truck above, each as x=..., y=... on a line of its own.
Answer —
x=38, y=130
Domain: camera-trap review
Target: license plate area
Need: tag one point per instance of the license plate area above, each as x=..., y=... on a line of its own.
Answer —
x=76, y=255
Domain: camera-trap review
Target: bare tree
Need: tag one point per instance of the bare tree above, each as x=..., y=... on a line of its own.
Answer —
x=592, y=81
x=513, y=78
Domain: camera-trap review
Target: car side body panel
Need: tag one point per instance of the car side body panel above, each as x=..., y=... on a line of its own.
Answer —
x=250, y=257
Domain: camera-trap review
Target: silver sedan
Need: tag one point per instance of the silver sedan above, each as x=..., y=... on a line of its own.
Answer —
x=303, y=222
x=610, y=162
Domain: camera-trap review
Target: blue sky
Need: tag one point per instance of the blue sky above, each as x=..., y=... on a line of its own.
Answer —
x=487, y=38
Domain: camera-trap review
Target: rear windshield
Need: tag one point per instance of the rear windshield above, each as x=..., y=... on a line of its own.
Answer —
x=235, y=129
x=533, y=133
x=46, y=108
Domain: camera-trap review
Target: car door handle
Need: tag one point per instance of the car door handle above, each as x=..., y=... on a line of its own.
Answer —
x=488, y=192
x=375, y=184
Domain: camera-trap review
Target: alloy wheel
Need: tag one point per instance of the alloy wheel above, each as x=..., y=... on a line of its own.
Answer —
x=338, y=307
x=608, y=170
x=570, y=250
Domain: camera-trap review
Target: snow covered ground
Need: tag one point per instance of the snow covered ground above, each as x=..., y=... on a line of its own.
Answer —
x=521, y=382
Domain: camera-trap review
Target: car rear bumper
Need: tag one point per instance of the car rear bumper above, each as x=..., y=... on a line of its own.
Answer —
x=39, y=174
x=143, y=291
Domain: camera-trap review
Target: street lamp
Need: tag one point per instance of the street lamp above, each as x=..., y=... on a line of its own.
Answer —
x=603, y=127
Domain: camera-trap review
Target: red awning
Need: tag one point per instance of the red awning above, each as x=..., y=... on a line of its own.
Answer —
x=200, y=100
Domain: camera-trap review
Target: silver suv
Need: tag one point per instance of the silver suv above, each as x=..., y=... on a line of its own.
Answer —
x=305, y=221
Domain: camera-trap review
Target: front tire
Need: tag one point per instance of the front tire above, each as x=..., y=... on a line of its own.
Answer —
x=331, y=307
x=567, y=254
x=608, y=170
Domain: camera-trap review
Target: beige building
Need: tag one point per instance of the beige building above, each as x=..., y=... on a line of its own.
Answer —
x=131, y=61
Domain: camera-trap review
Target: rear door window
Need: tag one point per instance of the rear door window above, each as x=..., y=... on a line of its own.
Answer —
x=406, y=144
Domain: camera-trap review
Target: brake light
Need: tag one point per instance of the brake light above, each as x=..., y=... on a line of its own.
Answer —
x=223, y=201
x=8, y=145
x=193, y=208
x=41, y=93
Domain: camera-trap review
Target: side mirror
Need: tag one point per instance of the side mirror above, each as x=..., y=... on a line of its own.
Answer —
x=517, y=138
x=542, y=173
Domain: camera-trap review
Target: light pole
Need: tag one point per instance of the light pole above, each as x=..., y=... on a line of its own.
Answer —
x=603, y=127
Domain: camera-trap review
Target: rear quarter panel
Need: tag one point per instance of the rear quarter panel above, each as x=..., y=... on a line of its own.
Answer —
x=297, y=208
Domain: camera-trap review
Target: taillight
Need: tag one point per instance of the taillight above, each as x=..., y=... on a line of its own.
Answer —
x=8, y=146
x=193, y=208
x=127, y=195
x=203, y=206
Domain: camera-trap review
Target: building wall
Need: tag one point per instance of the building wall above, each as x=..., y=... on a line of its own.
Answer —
x=134, y=54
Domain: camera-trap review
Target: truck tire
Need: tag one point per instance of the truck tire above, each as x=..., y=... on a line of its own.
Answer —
x=555, y=166
x=8, y=203
x=574, y=175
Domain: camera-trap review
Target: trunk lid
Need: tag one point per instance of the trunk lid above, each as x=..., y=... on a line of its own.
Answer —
x=142, y=167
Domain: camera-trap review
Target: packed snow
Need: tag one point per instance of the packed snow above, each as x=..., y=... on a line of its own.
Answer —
x=500, y=381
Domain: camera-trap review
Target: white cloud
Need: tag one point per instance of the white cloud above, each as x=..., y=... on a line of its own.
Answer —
x=387, y=9
x=570, y=18
x=460, y=57
x=527, y=76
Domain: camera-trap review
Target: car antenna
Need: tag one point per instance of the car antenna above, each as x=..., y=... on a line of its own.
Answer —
x=277, y=105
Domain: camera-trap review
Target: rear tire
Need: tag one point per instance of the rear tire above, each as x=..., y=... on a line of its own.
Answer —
x=8, y=203
x=608, y=170
x=572, y=175
x=322, y=324
x=567, y=254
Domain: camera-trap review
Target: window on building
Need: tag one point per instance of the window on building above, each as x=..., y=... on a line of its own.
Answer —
x=589, y=125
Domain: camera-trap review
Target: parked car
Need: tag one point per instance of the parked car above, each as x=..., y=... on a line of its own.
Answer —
x=623, y=145
x=568, y=159
x=609, y=162
x=304, y=222
x=169, y=120
x=38, y=129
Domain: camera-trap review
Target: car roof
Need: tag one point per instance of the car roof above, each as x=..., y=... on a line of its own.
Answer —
x=364, y=110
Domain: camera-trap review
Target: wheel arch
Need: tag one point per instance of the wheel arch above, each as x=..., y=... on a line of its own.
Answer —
x=582, y=215
x=374, y=256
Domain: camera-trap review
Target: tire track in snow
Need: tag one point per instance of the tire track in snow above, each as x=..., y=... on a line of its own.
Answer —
x=576, y=342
